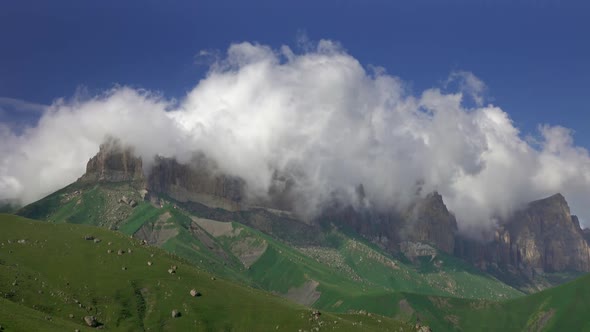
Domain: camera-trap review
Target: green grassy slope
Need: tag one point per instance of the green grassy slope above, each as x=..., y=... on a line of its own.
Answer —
x=51, y=277
x=99, y=205
x=351, y=274
x=445, y=292
x=93, y=204
x=55, y=273
x=16, y=317
x=563, y=308
x=442, y=275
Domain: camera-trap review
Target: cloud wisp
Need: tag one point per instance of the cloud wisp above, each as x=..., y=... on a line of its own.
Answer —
x=324, y=120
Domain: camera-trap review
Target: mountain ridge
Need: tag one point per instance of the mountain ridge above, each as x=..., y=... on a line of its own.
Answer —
x=517, y=250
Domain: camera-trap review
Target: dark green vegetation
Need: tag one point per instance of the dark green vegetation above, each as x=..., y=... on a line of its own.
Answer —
x=563, y=308
x=51, y=277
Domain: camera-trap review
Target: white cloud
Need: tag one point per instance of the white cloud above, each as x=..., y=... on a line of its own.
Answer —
x=20, y=106
x=16, y=113
x=469, y=84
x=323, y=119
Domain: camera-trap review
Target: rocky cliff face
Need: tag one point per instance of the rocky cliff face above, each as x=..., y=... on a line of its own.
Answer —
x=198, y=181
x=430, y=221
x=426, y=221
x=547, y=236
x=543, y=236
x=113, y=163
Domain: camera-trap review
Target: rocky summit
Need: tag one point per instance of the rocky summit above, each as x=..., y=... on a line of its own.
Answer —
x=429, y=221
x=197, y=181
x=545, y=235
x=541, y=237
x=113, y=163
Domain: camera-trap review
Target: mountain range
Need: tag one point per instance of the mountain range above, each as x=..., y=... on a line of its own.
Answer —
x=411, y=263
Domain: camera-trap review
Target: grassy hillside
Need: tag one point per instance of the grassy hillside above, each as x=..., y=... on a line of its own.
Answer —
x=344, y=273
x=563, y=308
x=51, y=277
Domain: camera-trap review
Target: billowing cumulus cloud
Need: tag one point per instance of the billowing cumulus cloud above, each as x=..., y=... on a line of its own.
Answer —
x=322, y=119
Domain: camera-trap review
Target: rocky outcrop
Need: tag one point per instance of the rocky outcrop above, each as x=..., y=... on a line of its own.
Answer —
x=416, y=249
x=197, y=181
x=91, y=321
x=113, y=163
x=543, y=236
x=547, y=236
x=426, y=221
x=200, y=181
x=158, y=232
x=429, y=221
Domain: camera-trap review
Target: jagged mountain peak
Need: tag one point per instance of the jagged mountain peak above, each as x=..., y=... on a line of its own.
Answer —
x=553, y=201
x=554, y=209
x=434, y=202
x=429, y=220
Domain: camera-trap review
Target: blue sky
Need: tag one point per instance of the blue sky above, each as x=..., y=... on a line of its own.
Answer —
x=534, y=56
x=318, y=112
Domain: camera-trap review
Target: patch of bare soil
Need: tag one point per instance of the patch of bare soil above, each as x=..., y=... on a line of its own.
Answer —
x=541, y=319
x=159, y=232
x=440, y=302
x=248, y=250
x=181, y=194
x=481, y=304
x=406, y=310
x=217, y=228
x=206, y=239
x=305, y=294
x=453, y=319
x=276, y=212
